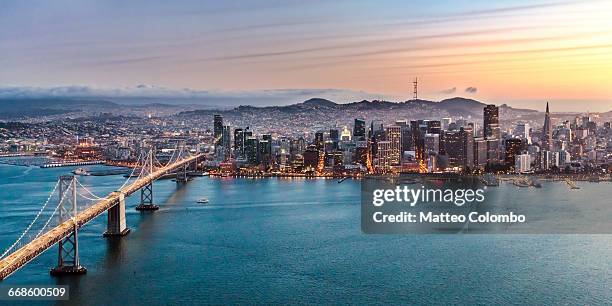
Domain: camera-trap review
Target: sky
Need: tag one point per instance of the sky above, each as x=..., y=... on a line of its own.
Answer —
x=522, y=53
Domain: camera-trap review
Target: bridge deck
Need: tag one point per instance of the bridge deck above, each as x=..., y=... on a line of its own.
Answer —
x=25, y=254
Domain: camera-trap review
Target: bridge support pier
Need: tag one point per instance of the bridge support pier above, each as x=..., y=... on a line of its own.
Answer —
x=68, y=257
x=116, y=225
x=181, y=175
x=146, y=199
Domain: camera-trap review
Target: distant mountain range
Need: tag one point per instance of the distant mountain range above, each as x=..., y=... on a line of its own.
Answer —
x=450, y=107
x=12, y=108
x=317, y=107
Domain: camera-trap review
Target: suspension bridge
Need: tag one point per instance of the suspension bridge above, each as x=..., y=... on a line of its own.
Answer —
x=77, y=205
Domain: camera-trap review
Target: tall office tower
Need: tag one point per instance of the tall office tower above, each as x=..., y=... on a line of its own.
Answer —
x=298, y=146
x=383, y=160
x=239, y=142
x=394, y=136
x=359, y=129
x=311, y=158
x=376, y=129
x=418, y=130
x=592, y=127
x=406, y=138
x=319, y=142
x=480, y=153
x=459, y=146
x=227, y=141
x=334, y=137
x=585, y=119
x=268, y=149
x=522, y=131
x=432, y=143
x=377, y=133
x=361, y=152
x=264, y=151
x=491, y=122
x=547, y=142
x=218, y=130
x=493, y=151
x=513, y=148
x=251, y=145
x=446, y=122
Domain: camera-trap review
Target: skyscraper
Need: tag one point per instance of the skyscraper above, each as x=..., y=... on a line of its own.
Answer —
x=359, y=130
x=227, y=142
x=547, y=131
x=394, y=136
x=334, y=137
x=319, y=141
x=491, y=122
x=218, y=130
x=239, y=142
x=513, y=148
x=459, y=146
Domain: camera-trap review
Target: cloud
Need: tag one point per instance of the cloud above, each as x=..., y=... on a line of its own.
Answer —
x=471, y=90
x=144, y=91
x=448, y=91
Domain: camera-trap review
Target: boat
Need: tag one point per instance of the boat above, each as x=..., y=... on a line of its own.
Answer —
x=203, y=200
x=80, y=171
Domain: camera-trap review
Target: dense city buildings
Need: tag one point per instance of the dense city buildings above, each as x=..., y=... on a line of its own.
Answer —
x=527, y=143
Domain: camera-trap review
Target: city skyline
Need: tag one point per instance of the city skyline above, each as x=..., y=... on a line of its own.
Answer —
x=343, y=51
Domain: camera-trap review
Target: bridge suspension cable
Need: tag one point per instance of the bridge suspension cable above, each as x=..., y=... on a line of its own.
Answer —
x=88, y=191
x=31, y=223
x=61, y=201
x=132, y=173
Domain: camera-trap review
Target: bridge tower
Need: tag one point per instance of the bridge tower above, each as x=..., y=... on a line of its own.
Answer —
x=146, y=192
x=182, y=174
x=68, y=257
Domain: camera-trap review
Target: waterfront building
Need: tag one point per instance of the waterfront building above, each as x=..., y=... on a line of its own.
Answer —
x=522, y=163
